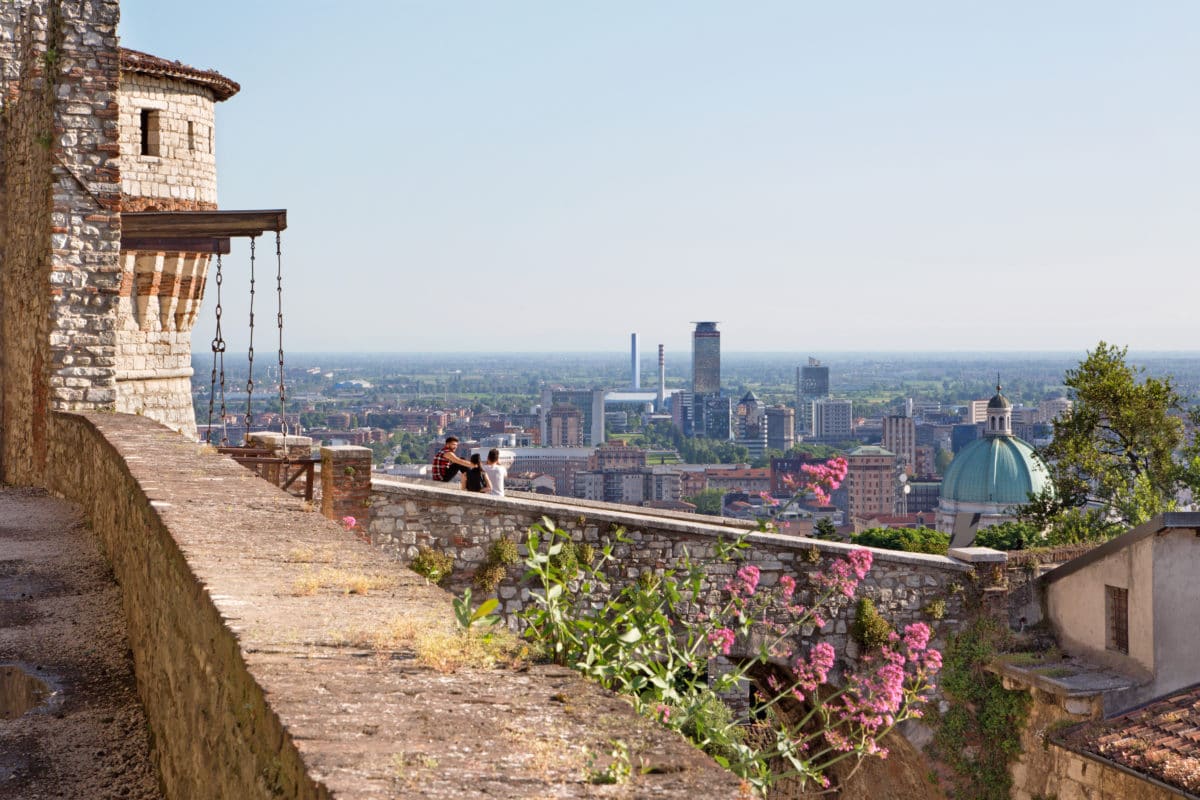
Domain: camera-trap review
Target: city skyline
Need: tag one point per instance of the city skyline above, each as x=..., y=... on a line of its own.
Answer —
x=934, y=177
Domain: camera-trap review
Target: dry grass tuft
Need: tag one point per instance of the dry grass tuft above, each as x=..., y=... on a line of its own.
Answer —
x=341, y=580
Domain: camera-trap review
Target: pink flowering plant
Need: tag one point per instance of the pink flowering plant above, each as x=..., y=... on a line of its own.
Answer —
x=653, y=639
x=816, y=481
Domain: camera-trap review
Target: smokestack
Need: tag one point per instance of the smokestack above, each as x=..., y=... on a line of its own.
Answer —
x=662, y=379
x=635, y=362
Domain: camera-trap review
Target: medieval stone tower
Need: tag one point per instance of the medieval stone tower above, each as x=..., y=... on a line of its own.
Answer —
x=107, y=224
x=168, y=163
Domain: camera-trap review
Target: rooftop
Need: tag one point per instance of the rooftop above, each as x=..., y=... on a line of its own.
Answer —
x=1160, y=740
x=145, y=64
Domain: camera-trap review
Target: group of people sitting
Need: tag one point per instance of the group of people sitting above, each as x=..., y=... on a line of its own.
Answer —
x=476, y=477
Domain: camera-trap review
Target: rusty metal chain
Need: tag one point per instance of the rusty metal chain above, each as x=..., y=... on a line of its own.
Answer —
x=218, y=350
x=283, y=425
x=250, y=354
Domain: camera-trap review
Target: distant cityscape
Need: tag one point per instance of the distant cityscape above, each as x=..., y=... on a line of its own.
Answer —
x=703, y=424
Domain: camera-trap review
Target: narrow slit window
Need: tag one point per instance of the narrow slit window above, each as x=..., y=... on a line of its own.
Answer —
x=191, y=137
x=1116, y=607
x=150, y=132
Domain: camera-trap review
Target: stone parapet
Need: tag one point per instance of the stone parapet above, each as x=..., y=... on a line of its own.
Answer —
x=905, y=587
x=260, y=681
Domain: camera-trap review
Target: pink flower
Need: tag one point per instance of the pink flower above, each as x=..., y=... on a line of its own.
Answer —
x=748, y=578
x=860, y=562
x=789, y=586
x=664, y=711
x=723, y=638
x=349, y=522
x=916, y=638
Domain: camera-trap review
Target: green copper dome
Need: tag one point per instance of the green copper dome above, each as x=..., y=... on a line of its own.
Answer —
x=995, y=469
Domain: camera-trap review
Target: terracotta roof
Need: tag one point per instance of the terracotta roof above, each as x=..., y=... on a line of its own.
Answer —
x=1160, y=740
x=145, y=64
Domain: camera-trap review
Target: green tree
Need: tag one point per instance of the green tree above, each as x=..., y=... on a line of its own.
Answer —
x=708, y=501
x=1117, y=446
x=942, y=459
x=824, y=529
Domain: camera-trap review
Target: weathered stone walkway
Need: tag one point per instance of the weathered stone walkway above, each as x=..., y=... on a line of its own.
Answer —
x=61, y=621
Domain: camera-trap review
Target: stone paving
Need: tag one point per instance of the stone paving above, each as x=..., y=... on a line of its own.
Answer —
x=61, y=622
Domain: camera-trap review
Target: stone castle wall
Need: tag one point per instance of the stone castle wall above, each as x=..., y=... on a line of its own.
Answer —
x=183, y=176
x=405, y=515
x=261, y=681
x=59, y=270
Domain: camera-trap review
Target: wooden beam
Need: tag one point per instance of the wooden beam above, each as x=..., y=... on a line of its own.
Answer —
x=165, y=244
x=204, y=224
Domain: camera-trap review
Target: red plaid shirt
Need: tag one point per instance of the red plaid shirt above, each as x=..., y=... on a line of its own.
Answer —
x=440, y=465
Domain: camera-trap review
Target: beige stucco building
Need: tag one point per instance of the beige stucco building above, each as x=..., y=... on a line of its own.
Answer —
x=1130, y=604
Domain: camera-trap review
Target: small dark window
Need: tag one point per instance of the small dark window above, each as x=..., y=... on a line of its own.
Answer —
x=150, y=137
x=191, y=138
x=1116, y=614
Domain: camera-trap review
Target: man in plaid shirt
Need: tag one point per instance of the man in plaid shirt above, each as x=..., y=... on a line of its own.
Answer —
x=446, y=464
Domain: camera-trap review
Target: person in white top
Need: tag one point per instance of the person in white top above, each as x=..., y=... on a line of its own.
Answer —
x=496, y=473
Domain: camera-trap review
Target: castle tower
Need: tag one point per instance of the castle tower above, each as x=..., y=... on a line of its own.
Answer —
x=168, y=161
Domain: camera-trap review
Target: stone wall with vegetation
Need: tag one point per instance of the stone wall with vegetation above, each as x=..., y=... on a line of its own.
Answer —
x=60, y=230
x=277, y=656
x=407, y=515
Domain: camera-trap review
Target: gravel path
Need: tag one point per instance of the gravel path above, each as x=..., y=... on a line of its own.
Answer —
x=61, y=621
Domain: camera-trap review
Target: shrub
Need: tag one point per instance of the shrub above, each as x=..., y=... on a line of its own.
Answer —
x=638, y=642
x=870, y=629
x=908, y=540
x=434, y=565
x=491, y=572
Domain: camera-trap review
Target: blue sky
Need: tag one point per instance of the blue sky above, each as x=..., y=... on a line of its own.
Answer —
x=855, y=176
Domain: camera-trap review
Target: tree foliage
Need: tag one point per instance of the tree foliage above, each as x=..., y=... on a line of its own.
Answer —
x=708, y=501
x=1117, y=446
x=908, y=540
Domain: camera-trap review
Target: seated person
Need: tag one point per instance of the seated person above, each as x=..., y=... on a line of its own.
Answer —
x=446, y=464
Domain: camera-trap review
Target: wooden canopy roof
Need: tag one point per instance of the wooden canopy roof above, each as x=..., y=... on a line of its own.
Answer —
x=195, y=231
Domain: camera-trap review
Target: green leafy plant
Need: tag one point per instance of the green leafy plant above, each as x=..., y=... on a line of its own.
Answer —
x=869, y=629
x=481, y=616
x=491, y=572
x=638, y=640
x=978, y=735
x=936, y=608
x=617, y=770
x=434, y=565
x=908, y=540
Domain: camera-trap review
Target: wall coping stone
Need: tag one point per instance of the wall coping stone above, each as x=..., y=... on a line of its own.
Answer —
x=978, y=555
x=209, y=556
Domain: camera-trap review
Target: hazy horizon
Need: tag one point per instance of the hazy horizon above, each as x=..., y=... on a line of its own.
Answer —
x=946, y=176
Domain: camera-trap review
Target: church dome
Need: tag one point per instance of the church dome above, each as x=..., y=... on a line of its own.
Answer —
x=997, y=469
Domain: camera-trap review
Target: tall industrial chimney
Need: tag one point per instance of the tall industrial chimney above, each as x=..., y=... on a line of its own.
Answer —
x=662, y=380
x=635, y=363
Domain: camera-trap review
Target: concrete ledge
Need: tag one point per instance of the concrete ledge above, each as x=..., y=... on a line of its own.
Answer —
x=254, y=688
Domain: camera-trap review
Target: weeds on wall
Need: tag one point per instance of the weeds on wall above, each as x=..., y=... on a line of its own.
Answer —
x=434, y=565
x=979, y=735
x=639, y=643
x=501, y=555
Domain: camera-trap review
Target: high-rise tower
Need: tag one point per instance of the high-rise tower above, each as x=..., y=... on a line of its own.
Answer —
x=662, y=380
x=706, y=359
x=635, y=363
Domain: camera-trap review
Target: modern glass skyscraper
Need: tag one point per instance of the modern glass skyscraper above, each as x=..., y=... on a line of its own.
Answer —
x=706, y=359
